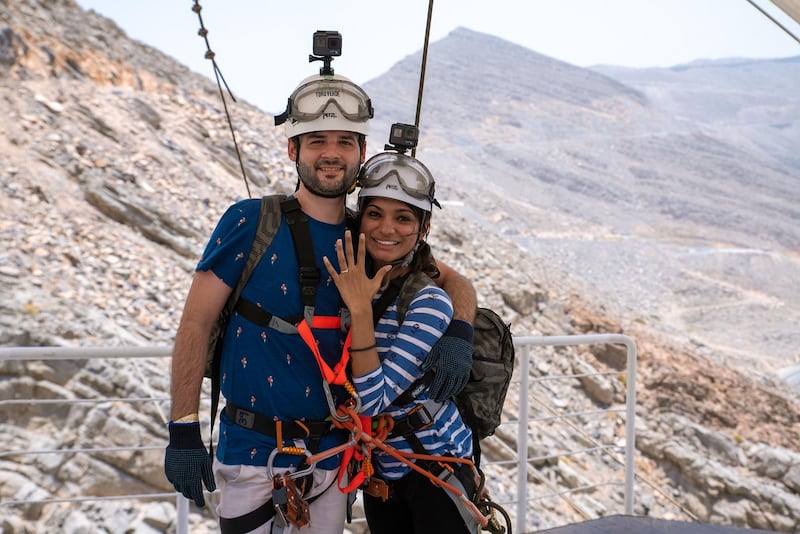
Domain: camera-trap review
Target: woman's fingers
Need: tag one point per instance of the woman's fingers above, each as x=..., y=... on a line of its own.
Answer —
x=345, y=252
x=329, y=267
x=349, y=253
x=362, y=248
x=343, y=265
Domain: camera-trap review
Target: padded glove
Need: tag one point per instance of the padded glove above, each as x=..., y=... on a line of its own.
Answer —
x=451, y=359
x=187, y=462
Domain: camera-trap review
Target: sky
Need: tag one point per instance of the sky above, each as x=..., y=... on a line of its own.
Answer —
x=262, y=47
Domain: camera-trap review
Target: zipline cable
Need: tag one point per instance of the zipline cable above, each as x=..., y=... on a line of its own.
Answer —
x=422, y=70
x=203, y=32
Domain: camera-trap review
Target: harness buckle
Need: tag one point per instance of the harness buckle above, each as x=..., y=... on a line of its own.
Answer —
x=245, y=419
x=378, y=488
x=422, y=418
x=309, y=279
x=446, y=472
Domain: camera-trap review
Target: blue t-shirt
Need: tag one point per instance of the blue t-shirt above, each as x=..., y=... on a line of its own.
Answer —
x=263, y=370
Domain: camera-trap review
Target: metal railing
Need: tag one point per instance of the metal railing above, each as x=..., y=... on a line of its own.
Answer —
x=526, y=343
x=523, y=344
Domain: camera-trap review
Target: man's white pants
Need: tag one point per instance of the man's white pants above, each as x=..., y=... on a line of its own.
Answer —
x=243, y=488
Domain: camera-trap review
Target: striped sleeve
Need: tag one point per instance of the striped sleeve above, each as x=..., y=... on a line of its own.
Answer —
x=403, y=348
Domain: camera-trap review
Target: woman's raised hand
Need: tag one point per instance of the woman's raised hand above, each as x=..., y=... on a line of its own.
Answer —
x=355, y=286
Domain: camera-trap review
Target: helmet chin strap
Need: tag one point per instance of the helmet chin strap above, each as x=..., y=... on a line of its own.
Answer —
x=403, y=262
x=406, y=260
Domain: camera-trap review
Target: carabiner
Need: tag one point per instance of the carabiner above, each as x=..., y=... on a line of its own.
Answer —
x=297, y=473
x=332, y=408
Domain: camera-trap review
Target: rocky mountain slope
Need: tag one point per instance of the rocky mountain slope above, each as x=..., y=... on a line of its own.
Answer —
x=116, y=162
x=644, y=193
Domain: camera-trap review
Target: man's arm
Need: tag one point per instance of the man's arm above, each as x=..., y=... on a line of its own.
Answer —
x=205, y=301
x=451, y=356
x=461, y=291
x=187, y=464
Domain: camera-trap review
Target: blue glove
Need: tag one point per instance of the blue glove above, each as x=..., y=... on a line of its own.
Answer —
x=187, y=462
x=451, y=359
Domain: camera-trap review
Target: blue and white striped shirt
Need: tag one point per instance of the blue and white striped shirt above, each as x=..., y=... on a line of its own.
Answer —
x=402, y=350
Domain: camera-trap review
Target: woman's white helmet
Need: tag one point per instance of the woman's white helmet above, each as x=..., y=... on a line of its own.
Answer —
x=326, y=102
x=397, y=176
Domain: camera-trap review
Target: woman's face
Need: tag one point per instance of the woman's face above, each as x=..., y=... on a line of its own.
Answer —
x=391, y=229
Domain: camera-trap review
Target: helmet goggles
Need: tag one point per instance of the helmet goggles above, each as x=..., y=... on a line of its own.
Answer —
x=383, y=173
x=313, y=99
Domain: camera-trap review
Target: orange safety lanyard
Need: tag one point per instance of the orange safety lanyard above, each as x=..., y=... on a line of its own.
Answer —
x=357, y=454
x=337, y=375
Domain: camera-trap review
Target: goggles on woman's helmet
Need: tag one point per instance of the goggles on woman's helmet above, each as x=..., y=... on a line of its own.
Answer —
x=323, y=103
x=400, y=177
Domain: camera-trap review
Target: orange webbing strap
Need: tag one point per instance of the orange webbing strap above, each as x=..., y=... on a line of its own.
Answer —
x=337, y=375
x=360, y=455
x=289, y=449
x=332, y=322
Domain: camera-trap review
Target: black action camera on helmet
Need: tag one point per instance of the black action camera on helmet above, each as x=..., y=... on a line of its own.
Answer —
x=327, y=43
x=402, y=137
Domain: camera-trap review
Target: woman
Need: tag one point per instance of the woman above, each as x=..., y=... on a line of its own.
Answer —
x=395, y=202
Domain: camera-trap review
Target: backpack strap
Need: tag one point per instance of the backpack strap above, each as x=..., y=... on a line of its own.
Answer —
x=269, y=219
x=310, y=274
x=258, y=315
x=380, y=306
x=309, y=279
x=404, y=289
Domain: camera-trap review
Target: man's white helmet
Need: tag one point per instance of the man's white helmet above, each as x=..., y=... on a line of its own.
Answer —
x=397, y=176
x=326, y=102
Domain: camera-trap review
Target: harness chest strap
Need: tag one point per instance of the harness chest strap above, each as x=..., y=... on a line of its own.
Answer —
x=337, y=375
x=254, y=313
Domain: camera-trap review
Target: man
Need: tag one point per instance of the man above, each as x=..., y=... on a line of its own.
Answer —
x=271, y=376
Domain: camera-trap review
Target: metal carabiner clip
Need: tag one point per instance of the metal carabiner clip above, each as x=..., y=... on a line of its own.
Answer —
x=296, y=474
x=332, y=408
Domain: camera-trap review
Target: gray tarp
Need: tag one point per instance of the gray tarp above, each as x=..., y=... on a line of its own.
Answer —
x=620, y=524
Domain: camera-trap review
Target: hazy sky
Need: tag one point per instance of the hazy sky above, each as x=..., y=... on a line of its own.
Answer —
x=262, y=47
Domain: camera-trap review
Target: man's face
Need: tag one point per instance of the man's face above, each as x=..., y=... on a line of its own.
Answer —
x=328, y=161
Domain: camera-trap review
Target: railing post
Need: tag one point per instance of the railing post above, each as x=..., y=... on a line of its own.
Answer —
x=182, y=515
x=522, y=441
x=630, y=424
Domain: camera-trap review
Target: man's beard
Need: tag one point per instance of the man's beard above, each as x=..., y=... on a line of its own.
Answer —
x=326, y=189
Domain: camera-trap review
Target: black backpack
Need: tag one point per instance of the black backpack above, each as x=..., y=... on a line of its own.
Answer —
x=481, y=401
